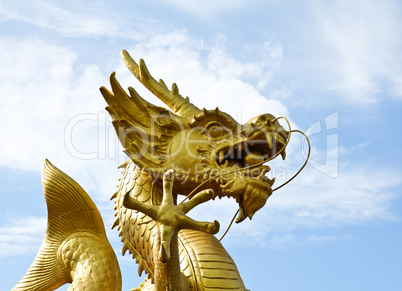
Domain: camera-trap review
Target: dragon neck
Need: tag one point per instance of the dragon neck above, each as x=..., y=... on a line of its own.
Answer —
x=197, y=258
x=140, y=233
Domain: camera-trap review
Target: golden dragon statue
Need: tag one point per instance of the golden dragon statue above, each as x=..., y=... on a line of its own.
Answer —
x=196, y=153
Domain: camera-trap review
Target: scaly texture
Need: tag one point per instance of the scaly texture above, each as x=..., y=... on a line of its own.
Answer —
x=75, y=248
x=203, y=259
x=90, y=262
x=136, y=229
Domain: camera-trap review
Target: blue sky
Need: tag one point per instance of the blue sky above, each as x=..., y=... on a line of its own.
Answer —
x=333, y=68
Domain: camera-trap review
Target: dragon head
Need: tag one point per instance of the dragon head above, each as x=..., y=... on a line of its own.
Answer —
x=206, y=148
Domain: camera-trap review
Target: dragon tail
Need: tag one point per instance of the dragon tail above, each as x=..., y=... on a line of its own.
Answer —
x=75, y=249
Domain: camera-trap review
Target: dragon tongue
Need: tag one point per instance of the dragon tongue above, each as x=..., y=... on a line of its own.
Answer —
x=253, y=158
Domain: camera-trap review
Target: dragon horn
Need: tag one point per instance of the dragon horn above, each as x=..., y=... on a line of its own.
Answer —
x=179, y=105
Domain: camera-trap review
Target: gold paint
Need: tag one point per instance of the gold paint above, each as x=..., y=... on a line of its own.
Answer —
x=201, y=154
x=75, y=249
x=207, y=149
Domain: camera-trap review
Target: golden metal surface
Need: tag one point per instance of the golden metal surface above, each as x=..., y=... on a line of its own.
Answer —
x=209, y=152
x=75, y=249
x=201, y=154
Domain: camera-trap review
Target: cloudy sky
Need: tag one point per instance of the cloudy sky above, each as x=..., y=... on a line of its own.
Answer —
x=334, y=68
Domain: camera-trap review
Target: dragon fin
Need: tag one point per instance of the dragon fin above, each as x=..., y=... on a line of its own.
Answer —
x=75, y=249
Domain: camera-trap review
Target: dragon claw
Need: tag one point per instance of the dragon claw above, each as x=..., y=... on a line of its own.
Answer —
x=214, y=227
x=172, y=218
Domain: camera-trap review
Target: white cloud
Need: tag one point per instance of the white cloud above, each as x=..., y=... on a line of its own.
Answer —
x=73, y=18
x=21, y=236
x=40, y=103
x=209, y=75
x=51, y=101
x=269, y=58
x=315, y=201
x=45, y=88
x=206, y=8
x=363, y=42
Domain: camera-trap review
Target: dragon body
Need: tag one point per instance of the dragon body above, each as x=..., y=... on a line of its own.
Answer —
x=197, y=153
x=203, y=260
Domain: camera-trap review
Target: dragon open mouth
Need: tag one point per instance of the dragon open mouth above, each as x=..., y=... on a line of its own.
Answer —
x=243, y=160
x=257, y=148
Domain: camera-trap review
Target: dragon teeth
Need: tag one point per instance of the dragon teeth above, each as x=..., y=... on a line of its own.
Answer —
x=283, y=154
x=221, y=156
x=269, y=141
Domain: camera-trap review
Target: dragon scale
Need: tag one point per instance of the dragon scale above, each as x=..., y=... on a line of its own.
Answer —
x=203, y=259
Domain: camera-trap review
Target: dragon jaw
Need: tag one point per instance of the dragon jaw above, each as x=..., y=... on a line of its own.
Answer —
x=231, y=162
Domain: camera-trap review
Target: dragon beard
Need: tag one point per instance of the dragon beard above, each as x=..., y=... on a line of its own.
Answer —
x=250, y=193
x=248, y=186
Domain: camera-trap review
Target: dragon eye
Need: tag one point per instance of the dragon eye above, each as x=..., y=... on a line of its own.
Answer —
x=217, y=130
